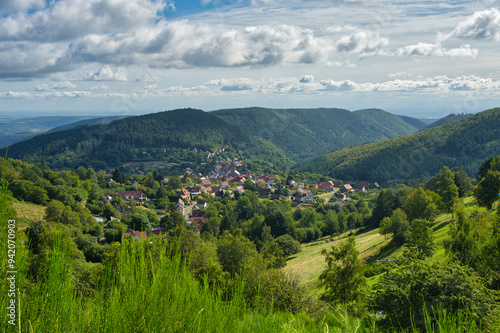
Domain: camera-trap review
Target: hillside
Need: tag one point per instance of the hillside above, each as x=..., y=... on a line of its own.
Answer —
x=152, y=136
x=93, y=121
x=466, y=143
x=448, y=119
x=303, y=133
x=16, y=130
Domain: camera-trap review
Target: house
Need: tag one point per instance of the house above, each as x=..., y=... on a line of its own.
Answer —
x=199, y=221
x=198, y=213
x=326, y=186
x=239, y=189
x=362, y=185
x=194, y=190
x=184, y=194
x=137, y=235
x=201, y=204
x=264, y=193
x=224, y=185
x=293, y=183
x=180, y=205
x=111, y=182
x=305, y=197
x=135, y=184
x=275, y=196
x=341, y=196
x=206, y=182
x=158, y=230
x=346, y=188
x=132, y=195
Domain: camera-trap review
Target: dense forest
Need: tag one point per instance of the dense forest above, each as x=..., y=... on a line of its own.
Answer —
x=80, y=275
x=276, y=136
x=464, y=143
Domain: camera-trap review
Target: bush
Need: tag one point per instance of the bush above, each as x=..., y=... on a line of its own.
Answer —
x=288, y=244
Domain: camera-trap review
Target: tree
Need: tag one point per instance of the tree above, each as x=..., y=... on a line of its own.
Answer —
x=446, y=188
x=288, y=244
x=344, y=278
x=463, y=182
x=117, y=176
x=397, y=225
x=420, y=237
x=383, y=207
x=418, y=205
x=330, y=223
x=488, y=189
x=234, y=251
x=250, y=185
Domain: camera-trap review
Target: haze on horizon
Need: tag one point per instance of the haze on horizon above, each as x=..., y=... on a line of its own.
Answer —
x=110, y=57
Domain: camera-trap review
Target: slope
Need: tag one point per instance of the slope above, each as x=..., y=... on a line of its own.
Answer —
x=466, y=143
x=152, y=136
x=303, y=133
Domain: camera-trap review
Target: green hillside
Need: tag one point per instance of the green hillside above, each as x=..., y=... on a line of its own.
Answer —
x=304, y=133
x=466, y=143
x=152, y=136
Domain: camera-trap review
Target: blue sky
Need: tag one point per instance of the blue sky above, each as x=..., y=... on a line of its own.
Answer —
x=108, y=57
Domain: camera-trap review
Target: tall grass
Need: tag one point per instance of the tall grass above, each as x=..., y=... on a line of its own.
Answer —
x=144, y=289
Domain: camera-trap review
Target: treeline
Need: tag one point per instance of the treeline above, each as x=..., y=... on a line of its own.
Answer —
x=417, y=156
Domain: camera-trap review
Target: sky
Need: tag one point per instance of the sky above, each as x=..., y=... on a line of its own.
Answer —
x=425, y=59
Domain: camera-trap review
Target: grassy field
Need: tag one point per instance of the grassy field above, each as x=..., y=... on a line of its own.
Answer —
x=30, y=211
x=372, y=246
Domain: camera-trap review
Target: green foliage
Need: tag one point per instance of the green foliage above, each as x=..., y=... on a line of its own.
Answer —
x=420, y=287
x=416, y=156
x=343, y=278
x=488, y=189
x=288, y=244
x=419, y=205
x=397, y=225
x=234, y=251
x=420, y=237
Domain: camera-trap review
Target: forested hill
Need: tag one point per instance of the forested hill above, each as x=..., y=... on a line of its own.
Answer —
x=304, y=133
x=466, y=143
x=448, y=119
x=152, y=136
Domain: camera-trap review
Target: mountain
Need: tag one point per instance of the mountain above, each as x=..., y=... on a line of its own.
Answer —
x=303, y=133
x=92, y=121
x=417, y=123
x=155, y=136
x=448, y=119
x=467, y=142
x=16, y=130
x=279, y=136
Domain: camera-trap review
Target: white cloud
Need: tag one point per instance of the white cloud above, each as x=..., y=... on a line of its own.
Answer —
x=106, y=73
x=482, y=25
x=307, y=79
x=362, y=42
x=431, y=49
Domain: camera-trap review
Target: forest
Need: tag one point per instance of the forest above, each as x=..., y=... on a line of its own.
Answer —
x=79, y=274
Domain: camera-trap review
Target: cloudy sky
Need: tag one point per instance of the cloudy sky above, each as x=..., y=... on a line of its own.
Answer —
x=415, y=57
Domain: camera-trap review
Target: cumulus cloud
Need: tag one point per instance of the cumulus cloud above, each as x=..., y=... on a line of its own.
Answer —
x=482, y=25
x=57, y=85
x=307, y=79
x=362, y=42
x=435, y=49
x=106, y=73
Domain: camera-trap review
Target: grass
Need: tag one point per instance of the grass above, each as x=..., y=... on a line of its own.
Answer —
x=30, y=211
x=372, y=246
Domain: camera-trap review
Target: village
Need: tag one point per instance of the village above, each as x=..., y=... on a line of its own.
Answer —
x=196, y=191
